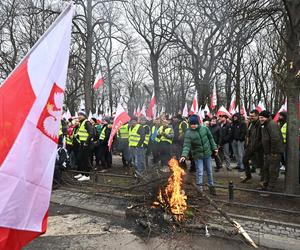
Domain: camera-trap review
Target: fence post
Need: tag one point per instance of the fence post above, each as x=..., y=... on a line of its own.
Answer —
x=230, y=191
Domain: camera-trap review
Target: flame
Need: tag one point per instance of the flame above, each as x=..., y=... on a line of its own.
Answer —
x=173, y=196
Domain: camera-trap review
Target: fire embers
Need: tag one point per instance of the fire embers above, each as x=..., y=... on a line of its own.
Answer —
x=173, y=197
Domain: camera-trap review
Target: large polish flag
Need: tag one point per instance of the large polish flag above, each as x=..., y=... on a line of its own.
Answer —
x=31, y=101
x=99, y=81
x=283, y=108
x=194, y=108
x=121, y=118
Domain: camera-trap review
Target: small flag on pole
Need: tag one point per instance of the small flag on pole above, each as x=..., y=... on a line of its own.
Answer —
x=99, y=81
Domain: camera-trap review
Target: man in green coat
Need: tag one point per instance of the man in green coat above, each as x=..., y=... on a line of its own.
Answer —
x=200, y=141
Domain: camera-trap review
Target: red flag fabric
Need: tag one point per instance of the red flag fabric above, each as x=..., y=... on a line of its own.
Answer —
x=213, y=101
x=99, y=81
x=151, y=111
x=282, y=109
x=121, y=118
x=260, y=107
x=31, y=104
x=194, y=108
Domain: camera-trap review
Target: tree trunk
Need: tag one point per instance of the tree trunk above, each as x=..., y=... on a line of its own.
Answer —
x=238, y=77
x=292, y=89
x=154, y=67
x=88, y=59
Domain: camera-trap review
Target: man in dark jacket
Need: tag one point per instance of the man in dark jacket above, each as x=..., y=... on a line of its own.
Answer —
x=253, y=145
x=200, y=142
x=106, y=156
x=215, y=130
x=272, y=144
x=84, y=135
x=225, y=140
x=239, y=131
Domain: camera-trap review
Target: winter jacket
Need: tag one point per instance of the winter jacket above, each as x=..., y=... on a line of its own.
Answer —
x=216, y=133
x=253, y=139
x=200, y=141
x=225, y=134
x=239, y=131
x=272, y=141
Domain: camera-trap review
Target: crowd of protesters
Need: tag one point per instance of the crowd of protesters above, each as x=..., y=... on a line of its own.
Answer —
x=254, y=143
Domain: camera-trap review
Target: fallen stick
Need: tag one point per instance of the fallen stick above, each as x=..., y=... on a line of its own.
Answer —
x=240, y=229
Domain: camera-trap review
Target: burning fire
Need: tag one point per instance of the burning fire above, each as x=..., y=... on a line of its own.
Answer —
x=173, y=196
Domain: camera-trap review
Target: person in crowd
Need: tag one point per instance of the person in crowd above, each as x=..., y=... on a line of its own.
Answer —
x=200, y=142
x=183, y=126
x=95, y=143
x=106, y=155
x=165, y=135
x=137, y=137
x=143, y=122
x=253, y=146
x=215, y=130
x=155, y=141
x=282, y=122
x=239, y=131
x=84, y=134
x=123, y=147
x=176, y=147
x=272, y=143
x=225, y=140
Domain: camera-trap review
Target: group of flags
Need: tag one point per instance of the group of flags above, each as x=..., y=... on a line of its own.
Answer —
x=29, y=131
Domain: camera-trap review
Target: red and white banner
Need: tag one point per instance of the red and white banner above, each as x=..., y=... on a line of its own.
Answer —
x=99, y=81
x=260, y=107
x=213, y=101
x=121, y=118
x=194, y=108
x=152, y=108
x=232, y=106
x=185, y=112
x=283, y=108
x=223, y=111
x=31, y=110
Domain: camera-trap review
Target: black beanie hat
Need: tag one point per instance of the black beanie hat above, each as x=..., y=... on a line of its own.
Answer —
x=265, y=114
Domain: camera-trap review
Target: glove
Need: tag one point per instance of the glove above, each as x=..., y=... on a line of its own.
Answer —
x=182, y=159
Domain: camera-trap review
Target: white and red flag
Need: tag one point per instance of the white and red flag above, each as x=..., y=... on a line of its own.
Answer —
x=121, y=118
x=232, y=106
x=143, y=111
x=152, y=108
x=223, y=111
x=185, y=112
x=260, y=107
x=243, y=110
x=194, y=108
x=213, y=100
x=206, y=111
x=99, y=81
x=31, y=101
x=283, y=108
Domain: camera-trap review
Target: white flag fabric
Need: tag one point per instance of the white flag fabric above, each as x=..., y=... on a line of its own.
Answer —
x=185, y=112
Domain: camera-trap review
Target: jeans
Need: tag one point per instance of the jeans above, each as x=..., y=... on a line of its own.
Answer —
x=238, y=150
x=139, y=158
x=225, y=154
x=202, y=164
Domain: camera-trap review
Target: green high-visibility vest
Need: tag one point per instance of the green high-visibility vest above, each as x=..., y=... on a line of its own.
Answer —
x=60, y=130
x=181, y=132
x=102, y=135
x=147, y=136
x=123, y=132
x=166, y=131
x=82, y=132
x=134, y=137
x=283, y=132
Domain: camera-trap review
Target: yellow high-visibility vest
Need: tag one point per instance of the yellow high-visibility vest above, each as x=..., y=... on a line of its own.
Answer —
x=181, y=132
x=82, y=132
x=166, y=131
x=283, y=132
x=147, y=136
x=102, y=135
x=152, y=132
x=134, y=137
x=123, y=132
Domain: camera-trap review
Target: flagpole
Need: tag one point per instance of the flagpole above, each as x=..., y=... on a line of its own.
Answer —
x=51, y=27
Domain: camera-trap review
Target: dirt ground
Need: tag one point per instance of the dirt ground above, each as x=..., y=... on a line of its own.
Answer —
x=71, y=228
